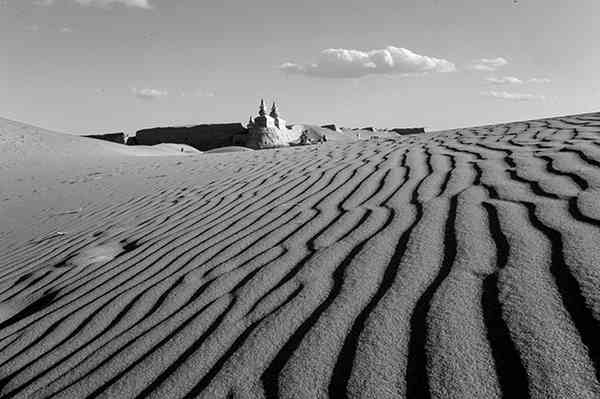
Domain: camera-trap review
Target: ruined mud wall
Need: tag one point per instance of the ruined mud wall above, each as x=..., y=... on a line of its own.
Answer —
x=202, y=137
x=114, y=137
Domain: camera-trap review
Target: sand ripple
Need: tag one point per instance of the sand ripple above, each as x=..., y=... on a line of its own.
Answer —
x=456, y=264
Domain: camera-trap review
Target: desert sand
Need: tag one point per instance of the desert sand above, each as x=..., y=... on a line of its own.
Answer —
x=454, y=264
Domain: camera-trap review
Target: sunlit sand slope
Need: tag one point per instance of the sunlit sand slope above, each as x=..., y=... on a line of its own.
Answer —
x=457, y=264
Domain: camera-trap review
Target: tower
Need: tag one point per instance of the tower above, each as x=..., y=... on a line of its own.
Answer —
x=268, y=121
x=274, y=111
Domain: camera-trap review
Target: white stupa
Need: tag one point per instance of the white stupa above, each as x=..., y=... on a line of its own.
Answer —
x=267, y=131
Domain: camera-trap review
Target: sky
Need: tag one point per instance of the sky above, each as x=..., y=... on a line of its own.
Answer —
x=98, y=66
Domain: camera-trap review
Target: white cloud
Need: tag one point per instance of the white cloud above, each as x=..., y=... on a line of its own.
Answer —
x=539, y=80
x=514, y=80
x=149, y=94
x=488, y=64
x=504, y=80
x=102, y=3
x=66, y=29
x=504, y=95
x=347, y=63
x=105, y=3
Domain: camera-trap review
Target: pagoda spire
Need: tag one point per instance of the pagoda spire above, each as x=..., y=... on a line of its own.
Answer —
x=261, y=109
x=274, y=111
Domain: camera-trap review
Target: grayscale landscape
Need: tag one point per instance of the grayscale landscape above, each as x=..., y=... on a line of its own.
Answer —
x=349, y=240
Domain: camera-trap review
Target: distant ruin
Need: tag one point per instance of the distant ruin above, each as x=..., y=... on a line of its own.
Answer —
x=113, y=137
x=269, y=131
x=202, y=137
x=261, y=132
x=409, y=130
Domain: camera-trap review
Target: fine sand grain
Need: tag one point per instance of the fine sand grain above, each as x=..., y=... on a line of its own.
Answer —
x=455, y=264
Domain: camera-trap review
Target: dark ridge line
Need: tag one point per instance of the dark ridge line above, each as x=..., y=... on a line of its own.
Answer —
x=415, y=194
x=405, y=179
x=417, y=381
x=509, y=160
x=578, y=180
x=237, y=344
x=251, y=274
x=536, y=136
x=35, y=263
x=477, y=155
x=534, y=186
x=478, y=174
x=578, y=215
x=379, y=188
x=263, y=297
x=158, y=303
x=200, y=291
x=20, y=280
x=166, y=373
x=253, y=243
x=62, y=319
x=37, y=280
x=345, y=361
x=363, y=219
x=428, y=162
x=296, y=268
x=37, y=340
x=97, y=336
x=340, y=210
x=76, y=331
x=448, y=176
x=340, y=204
x=38, y=305
x=73, y=290
x=270, y=375
x=131, y=341
x=310, y=246
x=44, y=253
x=490, y=148
x=510, y=369
x=574, y=134
x=132, y=277
x=43, y=302
x=127, y=246
x=382, y=181
x=570, y=292
x=500, y=240
x=196, y=295
x=582, y=155
x=24, y=289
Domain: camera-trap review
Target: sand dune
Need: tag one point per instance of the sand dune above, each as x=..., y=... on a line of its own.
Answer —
x=455, y=264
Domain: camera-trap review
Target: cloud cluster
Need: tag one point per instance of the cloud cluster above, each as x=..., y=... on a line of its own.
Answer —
x=348, y=63
x=105, y=3
x=102, y=3
x=514, y=80
x=488, y=64
x=504, y=95
x=504, y=80
x=149, y=94
x=539, y=80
